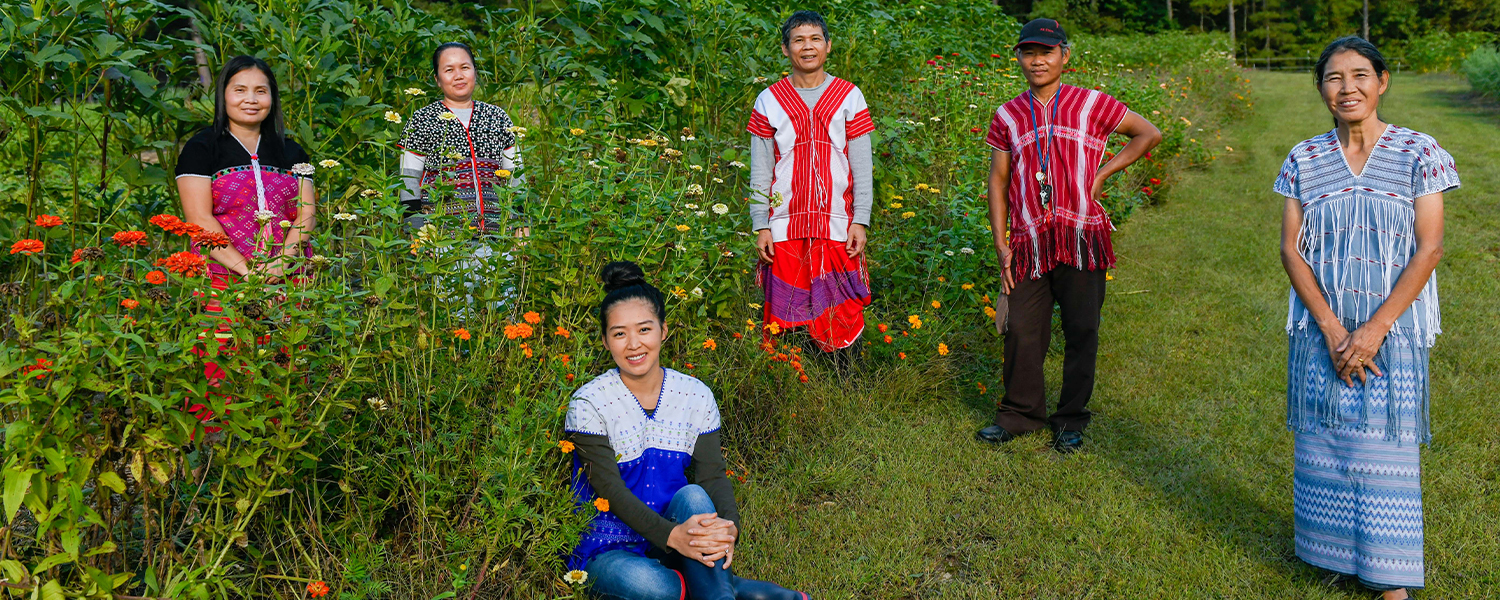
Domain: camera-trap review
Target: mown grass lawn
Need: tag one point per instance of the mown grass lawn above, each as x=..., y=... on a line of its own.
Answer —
x=1185, y=488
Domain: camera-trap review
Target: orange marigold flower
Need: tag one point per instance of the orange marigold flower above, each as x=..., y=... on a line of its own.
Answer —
x=186, y=264
x=532, y=317
x=773, y=328
x=564, y=358
x=982, y=389
x=526, y=349
x=462, y=334
x=710, y=344
x=601, y=504
x=882, y=327
x=129, y=303
x=165, y=221
x=942, y=349
x=130, y=239
x=156, y=277
x=563, y=332
x=48, y=221
x=989, y=312
x=689, y=366
x=212, y=240
x=570, y=377
x=901, y=355
x=738, y=336
x=565, y=445
x=518, y=330
x=887, y=339
x=27, y=247
x=936, y=304
x=802, y=378
x=317, y=589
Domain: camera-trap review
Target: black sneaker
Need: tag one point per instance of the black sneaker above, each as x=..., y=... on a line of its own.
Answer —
x=994, y=434
x=1068, y=442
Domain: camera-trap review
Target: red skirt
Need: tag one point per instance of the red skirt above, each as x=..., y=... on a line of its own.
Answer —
x=813, y=283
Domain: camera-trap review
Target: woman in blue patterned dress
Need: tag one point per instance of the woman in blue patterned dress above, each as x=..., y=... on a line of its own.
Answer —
x=637, y=429
x=1361, y=236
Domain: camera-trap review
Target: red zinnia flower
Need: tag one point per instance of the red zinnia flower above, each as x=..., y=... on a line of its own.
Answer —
x=187, y=229
x=156, y=277
x=27, y=247
x=48, y=221
x=130, y=239
x=1146, y=190
x=212, y=240
x=42, y=364
x=187, y=264
x=973, y=130
x=129, y=303
x=317, y=589
x=165, y=221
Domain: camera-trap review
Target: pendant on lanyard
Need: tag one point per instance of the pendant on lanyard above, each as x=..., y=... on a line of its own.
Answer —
x=1045, y=192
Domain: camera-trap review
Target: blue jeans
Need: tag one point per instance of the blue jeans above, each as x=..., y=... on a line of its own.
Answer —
x=625, y=575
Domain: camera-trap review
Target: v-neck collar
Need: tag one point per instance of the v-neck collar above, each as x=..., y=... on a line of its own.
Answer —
x=1366, y=166
x=661, y=393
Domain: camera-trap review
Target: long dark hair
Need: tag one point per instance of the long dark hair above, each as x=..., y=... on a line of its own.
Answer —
x=624, y=280
x=1351, y=43
x=436, y=54
x=277, y=127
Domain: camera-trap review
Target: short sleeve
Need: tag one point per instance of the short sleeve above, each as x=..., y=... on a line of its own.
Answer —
x=857, y=116
x=196, y=158
x=1108, y=114
x=584, y=418
x=711, y=422
x=295, y=155
x=1434, y=172
x=420, y=136
x=999, y=136
x=759, y=125
x=1287, y=182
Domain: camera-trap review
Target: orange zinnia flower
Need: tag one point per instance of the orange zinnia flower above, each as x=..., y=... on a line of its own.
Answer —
x=563, y=332
x=130, y=239
x=48, y=221
x=565, y=445
x=570, y=377
x=156, y=277
x=129, y=303
x=27, y=247
x=936, y=304
x=187, y=264
x=601, y=504
x=165, y=221
x=710, y=344
x=802, y=378
x=462, y=334
x=901, y=355
x=565, y=359
x=519, y=330
x=532, y=317
x=317, y=589
x=882, y=327
x=212, y=240
x=526, y=349
x=738, y=336
x=887, y=339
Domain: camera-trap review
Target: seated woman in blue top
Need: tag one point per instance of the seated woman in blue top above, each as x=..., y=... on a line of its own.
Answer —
x=637, y=429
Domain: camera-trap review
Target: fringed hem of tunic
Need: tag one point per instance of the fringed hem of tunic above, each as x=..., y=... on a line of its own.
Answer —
x=1315, y=393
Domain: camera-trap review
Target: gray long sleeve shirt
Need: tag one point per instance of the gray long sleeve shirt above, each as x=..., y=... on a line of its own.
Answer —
x=763, y=161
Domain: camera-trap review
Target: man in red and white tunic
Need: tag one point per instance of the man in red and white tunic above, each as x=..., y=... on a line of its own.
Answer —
x=1044, y=188
x=812, y=192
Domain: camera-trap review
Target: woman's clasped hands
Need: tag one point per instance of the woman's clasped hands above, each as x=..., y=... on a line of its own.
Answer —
x=705, y=538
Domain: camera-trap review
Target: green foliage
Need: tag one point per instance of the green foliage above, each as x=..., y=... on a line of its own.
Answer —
x=386, y=421
x=1483, y=70
x=1441, y=51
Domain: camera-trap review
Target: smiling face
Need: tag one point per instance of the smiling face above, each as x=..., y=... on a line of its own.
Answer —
x=633, y=335
x=247, y=98
x=1042, y=64
x=807, y=48
x=1351, y=88
x=456, y=75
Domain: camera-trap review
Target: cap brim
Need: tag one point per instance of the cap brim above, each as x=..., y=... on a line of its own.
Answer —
x=1050, y=42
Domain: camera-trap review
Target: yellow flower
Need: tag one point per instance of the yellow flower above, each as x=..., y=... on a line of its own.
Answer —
x=1108, y=277
x=897, y=198
x=601, y=504
x=503, y=173
x=575, y=131
x=989, y=312
x=680, y=293
x=565, y=445
x=908, y=214
x=896, y=205
x=773, y=328
x=749, y=324
x=934, y=190
x=936, y=304
x=683, y=228
x=921, y=187
x=967, y=286
x=943, y=349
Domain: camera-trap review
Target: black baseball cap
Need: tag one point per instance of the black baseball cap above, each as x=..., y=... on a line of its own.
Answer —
x=1047, y=32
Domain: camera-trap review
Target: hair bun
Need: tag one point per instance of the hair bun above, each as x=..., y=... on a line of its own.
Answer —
x=621, y=274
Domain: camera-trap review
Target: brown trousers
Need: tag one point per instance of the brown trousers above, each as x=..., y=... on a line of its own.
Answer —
x=1080, y=295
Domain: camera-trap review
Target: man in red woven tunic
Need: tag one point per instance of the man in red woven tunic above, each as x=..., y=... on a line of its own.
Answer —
x=812, y=192
x=1045, y=182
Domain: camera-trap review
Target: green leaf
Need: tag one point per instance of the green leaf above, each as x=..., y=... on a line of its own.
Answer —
x=16, y=484
x=105, y=548
x=70, y=542
x=112, y=481
x=297, y=335
x=49, y=562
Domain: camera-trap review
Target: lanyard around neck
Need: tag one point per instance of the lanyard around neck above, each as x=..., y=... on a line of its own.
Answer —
x=1046, y=154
